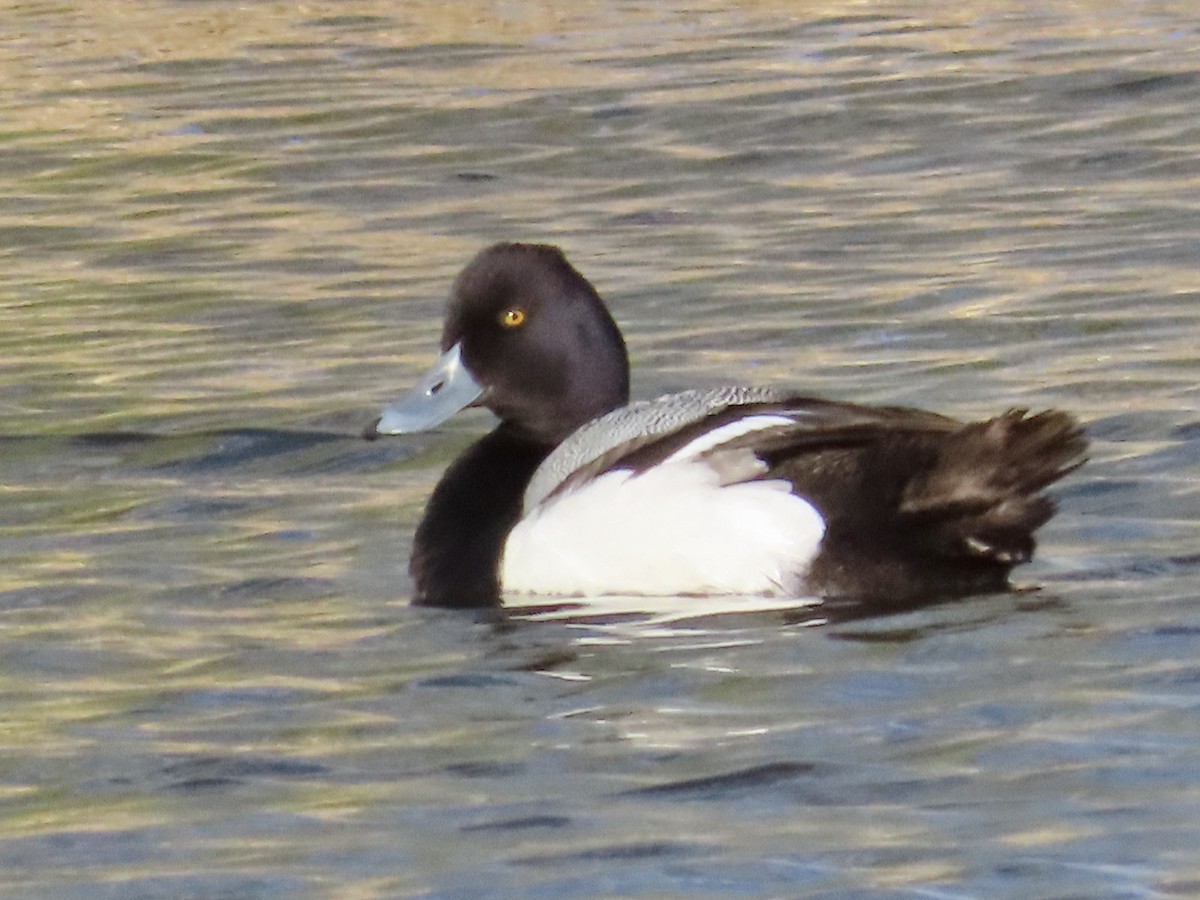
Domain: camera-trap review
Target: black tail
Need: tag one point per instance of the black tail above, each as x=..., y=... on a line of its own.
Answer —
x=982, y=498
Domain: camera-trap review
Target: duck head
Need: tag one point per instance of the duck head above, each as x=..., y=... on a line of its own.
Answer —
x=527, y=337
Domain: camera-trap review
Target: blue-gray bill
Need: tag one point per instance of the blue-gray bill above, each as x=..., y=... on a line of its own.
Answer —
x=445, y=389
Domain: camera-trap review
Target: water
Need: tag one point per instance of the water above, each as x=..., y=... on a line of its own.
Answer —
x=227, y=233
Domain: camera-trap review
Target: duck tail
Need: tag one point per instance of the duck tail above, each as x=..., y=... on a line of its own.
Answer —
x=982, y=497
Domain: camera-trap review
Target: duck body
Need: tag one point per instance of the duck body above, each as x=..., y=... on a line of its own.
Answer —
x=733, y=491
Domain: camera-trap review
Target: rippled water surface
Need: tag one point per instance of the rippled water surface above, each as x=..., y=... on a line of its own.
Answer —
x=227, y=231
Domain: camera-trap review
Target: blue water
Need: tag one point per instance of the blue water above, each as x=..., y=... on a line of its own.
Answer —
x=228, y=232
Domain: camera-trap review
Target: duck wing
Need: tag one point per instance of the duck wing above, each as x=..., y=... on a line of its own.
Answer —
x=716, y=423
x=911, y=500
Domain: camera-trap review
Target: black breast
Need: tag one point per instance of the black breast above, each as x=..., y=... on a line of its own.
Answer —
x=457, y=546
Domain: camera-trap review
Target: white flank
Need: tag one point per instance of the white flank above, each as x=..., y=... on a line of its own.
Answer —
x=673, y=529
x=718, y=436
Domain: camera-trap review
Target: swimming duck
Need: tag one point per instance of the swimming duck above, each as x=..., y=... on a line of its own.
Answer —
x=733, y=491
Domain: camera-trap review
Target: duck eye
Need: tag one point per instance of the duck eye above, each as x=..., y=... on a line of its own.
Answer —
x=513, y=318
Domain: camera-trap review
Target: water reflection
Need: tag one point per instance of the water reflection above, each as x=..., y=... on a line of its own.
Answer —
x=227, y=233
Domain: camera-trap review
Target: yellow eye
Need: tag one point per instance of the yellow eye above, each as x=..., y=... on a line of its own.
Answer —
x=513, y=318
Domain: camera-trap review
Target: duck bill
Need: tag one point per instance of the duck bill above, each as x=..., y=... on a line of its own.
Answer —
x=442, y=391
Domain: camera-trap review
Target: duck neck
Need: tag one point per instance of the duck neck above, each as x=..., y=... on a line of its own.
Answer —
x=460, y=539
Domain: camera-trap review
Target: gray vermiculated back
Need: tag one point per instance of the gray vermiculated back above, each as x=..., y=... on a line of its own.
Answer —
x=641, y=419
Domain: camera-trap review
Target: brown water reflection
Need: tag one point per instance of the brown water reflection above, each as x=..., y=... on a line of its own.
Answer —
x=227, y=230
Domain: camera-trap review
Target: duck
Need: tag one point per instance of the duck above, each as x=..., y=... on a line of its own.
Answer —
x=733, y=491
